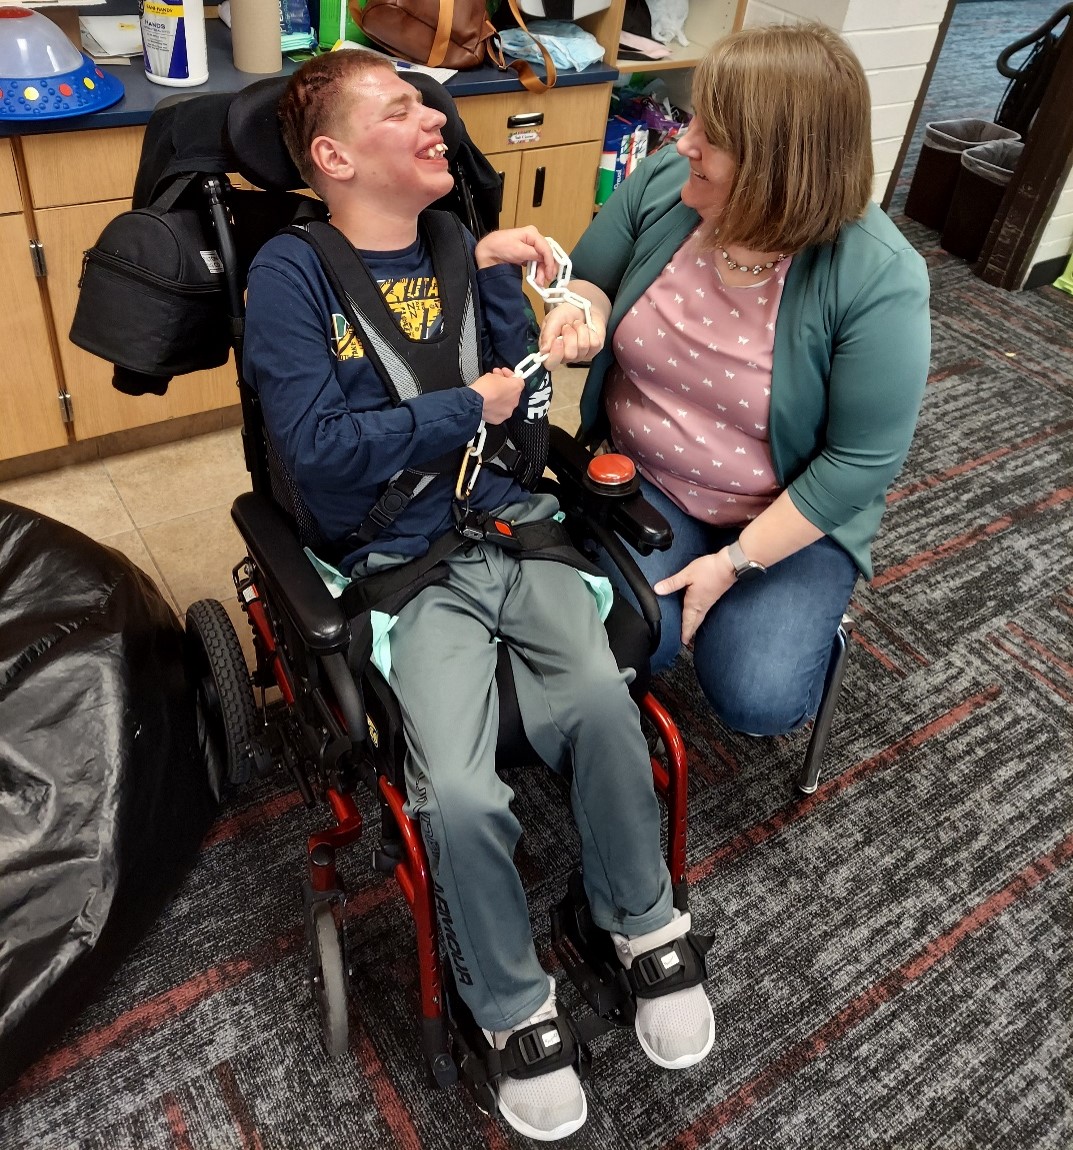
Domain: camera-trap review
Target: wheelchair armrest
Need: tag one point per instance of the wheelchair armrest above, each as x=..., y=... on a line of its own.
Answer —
x=632, y=516
x=300, y=591
x=607, y=518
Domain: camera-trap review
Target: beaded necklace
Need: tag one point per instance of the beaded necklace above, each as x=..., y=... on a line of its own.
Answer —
x=756, y=269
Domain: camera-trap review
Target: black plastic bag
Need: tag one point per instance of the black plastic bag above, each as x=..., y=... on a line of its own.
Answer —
x=104, y=798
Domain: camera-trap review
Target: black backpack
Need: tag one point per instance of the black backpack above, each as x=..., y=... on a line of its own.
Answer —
x=152, y=295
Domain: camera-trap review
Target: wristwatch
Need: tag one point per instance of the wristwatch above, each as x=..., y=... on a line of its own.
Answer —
x=744, y=568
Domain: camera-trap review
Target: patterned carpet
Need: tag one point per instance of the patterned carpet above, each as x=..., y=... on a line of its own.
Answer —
x=892, y=963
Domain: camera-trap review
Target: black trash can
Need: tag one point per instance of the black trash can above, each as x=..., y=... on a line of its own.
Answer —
x=937, y=169
x=981, y=184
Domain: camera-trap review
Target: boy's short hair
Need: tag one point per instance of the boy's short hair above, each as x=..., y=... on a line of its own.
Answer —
x=316, y=99
x=790, y=103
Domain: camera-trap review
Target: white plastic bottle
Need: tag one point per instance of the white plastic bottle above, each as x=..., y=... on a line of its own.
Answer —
x=173, y=42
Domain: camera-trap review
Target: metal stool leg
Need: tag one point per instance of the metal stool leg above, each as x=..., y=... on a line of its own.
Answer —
x=809, y=776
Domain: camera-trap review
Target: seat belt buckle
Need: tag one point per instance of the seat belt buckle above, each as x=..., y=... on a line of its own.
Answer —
x=469, y=524
x=479, y=527
x=500, y=532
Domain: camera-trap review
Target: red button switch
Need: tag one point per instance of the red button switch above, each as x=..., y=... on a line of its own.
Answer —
x=612, y=470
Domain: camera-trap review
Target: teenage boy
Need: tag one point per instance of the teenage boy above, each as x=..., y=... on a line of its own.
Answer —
x=364, y=141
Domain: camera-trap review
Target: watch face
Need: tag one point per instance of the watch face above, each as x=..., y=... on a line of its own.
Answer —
x=749, y=571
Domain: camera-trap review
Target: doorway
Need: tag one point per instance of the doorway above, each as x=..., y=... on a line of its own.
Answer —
x=964, y=82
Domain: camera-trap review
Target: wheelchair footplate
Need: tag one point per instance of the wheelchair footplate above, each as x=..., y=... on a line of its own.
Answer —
x=589, y=958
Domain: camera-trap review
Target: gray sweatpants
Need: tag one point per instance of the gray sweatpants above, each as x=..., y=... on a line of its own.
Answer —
x=576, y=708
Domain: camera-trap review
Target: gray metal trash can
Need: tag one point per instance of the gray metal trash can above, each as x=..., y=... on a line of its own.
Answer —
x=937, y=169
x=981, y=184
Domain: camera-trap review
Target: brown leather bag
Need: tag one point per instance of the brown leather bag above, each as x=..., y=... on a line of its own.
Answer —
x=445, y=34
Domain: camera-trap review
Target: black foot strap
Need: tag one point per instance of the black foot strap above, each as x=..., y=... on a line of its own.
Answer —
x=534, y=1050
x=676, y=966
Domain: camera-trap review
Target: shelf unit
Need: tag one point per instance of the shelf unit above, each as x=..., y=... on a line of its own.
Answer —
x=707, y=22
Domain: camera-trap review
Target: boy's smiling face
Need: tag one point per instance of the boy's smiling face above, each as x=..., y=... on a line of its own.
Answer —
x=393, y=145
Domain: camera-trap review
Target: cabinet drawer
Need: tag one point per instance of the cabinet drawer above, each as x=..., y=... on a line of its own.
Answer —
x=508, y=121
x=82, y=167
x=10, y=200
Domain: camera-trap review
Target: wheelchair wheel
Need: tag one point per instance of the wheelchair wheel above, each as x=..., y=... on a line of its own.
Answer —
x=329, y=979
x=227, y=714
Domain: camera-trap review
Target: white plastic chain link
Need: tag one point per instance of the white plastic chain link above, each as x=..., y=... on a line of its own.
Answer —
x=556, y=292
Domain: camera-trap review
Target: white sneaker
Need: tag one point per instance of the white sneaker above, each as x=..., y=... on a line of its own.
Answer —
x=549, y=1106
x=678, y=1029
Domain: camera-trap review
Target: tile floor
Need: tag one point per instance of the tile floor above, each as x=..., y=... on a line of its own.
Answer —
x=168, y=507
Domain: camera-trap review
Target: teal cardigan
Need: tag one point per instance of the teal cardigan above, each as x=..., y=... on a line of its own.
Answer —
x=852, y=346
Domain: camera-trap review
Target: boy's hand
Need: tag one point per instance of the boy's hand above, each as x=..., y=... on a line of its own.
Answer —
x=518, y=246
x=500, y=389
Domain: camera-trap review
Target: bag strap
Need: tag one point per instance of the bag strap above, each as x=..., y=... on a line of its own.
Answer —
x=171, y=194
x=526, y=76
x=441, y=41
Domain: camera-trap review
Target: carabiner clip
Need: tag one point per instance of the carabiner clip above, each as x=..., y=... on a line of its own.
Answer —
x=473, y=451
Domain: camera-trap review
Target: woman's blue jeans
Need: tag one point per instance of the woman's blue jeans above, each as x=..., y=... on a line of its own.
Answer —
x=762, y=652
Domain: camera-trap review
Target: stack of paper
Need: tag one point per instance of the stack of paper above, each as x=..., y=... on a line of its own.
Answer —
x=111, y=39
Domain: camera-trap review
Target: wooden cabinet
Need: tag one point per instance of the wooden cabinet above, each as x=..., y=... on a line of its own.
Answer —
x=31, y=418
x=96, y=407
x=30, y=414
x=75, y=184
x=10, y=196
x=547, y=147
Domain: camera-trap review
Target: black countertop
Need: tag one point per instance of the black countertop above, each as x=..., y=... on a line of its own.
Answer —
x=141, y=95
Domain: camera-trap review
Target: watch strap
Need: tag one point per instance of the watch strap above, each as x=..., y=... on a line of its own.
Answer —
x=743, y=566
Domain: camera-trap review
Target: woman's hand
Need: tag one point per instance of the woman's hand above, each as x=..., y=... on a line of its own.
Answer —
x=706, y=580
x=518, y=246
x=566, y=338
x=500, y=389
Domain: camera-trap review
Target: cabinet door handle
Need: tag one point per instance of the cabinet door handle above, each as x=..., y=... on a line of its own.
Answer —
x=525, y=120
x=538, y=187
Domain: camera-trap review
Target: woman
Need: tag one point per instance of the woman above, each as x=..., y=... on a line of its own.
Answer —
x=767, y=348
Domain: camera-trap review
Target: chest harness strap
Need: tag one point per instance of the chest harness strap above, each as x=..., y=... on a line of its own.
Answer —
x=409, y=367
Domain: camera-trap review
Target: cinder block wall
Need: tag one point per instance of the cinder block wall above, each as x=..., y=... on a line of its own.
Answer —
x=893, y=40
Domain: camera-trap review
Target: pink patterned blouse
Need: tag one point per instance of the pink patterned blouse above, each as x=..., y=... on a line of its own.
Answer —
x=689, y=395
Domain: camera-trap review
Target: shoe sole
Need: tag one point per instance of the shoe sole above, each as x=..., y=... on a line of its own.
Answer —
x=562, y=1131
x=686, y=1060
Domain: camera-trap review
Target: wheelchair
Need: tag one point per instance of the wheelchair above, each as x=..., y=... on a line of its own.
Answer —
x=336, y=728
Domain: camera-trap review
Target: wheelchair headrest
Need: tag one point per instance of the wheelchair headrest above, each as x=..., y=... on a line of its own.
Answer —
x=251, y=130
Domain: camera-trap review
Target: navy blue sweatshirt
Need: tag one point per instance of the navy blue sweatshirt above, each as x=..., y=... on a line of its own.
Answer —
x=328, y=413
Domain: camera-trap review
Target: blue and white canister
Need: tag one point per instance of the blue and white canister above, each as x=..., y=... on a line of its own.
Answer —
x=173, y=42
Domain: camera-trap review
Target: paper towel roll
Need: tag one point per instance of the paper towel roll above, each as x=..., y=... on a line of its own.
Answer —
x=255, y=35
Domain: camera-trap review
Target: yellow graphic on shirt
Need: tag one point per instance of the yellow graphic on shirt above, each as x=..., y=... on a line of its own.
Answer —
x=344, y=342
x=415, y=303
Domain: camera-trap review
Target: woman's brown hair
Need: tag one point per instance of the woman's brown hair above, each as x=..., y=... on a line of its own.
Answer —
x=790, y=103
x=315, y=100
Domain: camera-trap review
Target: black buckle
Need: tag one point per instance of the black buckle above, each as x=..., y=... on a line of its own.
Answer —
x=469, y=524
x=652, y=976
x=539, y=1043
x=652, y=968
x=479, y=527
x=537, y=1049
